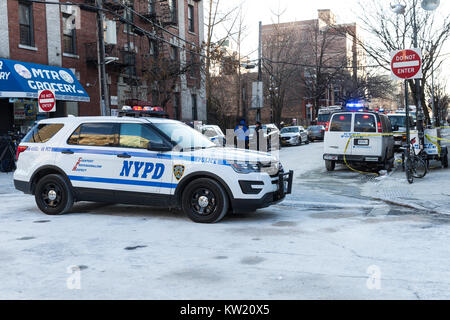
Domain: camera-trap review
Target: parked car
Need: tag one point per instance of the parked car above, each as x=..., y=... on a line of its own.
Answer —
x=294, y=135
x=368, y=150
x=214, y=133
x=271, y=134
x=398, y=125
x=316, y=132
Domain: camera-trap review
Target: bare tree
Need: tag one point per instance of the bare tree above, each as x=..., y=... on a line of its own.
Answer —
x=326, y=64
x=281, y=73
x=441, y=97
x=163, y=70
x=395, y=32
x=216, y=19
x=371, y=84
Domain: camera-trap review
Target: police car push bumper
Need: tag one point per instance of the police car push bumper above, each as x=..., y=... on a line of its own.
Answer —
x=283, y=182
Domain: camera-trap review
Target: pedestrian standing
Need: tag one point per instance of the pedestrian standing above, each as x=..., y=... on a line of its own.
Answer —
x=241, y=135
x=258, y=133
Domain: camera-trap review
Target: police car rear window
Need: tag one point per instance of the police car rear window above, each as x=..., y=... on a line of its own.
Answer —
x=42, y=132
x=95, y=134
x=341, y=122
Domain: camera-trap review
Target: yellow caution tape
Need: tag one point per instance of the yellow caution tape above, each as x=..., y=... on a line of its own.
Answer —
x=387, y=134
x=435, y=142
x=364, y=135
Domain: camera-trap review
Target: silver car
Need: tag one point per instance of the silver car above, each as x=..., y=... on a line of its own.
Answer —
x=294, y=135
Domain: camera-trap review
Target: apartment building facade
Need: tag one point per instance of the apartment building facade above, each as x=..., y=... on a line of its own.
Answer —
x=143, y=39
x=305, y=50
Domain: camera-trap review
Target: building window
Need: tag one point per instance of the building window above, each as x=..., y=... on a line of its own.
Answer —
x=26, y=24
x=130, y=63
x=155, y=97
x=194, y=107
x=154, y=49
x=191, y=20
x=174, y=53
x=193, y=66
x=176, y=106
x=129, y=16
x=173, y=11
x=151, y=6
x=69, y=34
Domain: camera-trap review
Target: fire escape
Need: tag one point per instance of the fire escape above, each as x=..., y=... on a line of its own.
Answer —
x=153, y=16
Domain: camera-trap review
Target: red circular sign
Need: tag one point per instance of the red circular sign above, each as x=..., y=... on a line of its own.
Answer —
x=406, y=64
x=46, y=100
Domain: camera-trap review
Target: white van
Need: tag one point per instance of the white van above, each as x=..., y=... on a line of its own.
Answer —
x=367, y=151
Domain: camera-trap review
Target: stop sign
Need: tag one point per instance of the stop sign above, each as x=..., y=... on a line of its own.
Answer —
x=46, y=101
x=406, y=64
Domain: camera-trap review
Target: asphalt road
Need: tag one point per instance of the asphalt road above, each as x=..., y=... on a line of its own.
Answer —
x=325, y=241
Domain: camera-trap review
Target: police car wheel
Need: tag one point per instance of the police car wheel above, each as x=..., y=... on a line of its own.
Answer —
x=205, y=201
x=53, y=195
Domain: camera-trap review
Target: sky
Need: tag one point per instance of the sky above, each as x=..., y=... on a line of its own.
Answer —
x=294, y=10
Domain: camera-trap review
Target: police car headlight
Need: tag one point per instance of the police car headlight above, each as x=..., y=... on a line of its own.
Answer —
x=243, y=167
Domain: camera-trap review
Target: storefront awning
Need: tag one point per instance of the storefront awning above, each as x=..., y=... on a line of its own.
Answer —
x=24, y=80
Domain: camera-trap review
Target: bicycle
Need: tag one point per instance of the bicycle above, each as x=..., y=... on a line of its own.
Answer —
x=414, y=164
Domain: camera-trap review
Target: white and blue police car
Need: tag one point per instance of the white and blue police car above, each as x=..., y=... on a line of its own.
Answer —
x=144, y=161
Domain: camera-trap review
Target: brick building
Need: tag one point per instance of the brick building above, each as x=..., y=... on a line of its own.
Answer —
x=160, y=33
x=299, y=45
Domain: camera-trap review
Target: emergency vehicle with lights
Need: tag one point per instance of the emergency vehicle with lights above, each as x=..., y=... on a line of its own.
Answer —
x=364, y=137
x=144, y=161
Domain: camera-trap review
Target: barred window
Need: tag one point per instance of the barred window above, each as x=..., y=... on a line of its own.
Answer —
x=26, y=24
x=69, y=34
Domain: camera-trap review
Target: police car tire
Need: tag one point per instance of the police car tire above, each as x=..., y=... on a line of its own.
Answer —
x=222, y=202
x=66, y=197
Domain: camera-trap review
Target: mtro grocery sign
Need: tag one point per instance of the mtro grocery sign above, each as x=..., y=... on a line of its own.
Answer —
x=46, y=101
x=406, y=64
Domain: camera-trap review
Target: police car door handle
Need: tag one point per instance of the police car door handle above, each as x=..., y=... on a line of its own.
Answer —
x=123, y=155
x=67, y=152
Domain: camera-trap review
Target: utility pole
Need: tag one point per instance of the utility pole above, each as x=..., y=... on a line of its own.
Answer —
x=420, y=126
x=104, y=101
x=258, y=111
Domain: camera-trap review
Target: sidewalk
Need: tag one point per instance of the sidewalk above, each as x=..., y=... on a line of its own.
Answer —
x=432, y=193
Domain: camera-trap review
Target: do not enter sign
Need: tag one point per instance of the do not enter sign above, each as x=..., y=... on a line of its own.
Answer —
x=406, y=64
x=46, y=101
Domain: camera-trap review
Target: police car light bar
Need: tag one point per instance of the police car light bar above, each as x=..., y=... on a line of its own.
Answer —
x=143, y=113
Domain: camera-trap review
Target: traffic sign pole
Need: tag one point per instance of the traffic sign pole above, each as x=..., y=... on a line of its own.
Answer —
x=407, y=64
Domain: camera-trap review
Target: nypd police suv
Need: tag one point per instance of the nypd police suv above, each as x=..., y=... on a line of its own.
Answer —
x=144, y=161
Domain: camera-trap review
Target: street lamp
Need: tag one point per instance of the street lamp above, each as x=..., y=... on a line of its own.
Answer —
x=429, y=5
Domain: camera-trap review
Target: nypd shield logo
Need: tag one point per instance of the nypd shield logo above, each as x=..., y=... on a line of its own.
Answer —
x=178, y=171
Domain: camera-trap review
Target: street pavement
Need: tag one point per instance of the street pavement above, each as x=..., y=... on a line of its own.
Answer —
x=331, y=239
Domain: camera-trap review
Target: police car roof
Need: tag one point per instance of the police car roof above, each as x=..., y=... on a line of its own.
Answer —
x=72, y=119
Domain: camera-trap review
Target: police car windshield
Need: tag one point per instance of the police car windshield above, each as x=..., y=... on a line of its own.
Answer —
x=185, y=137
x=397, y=121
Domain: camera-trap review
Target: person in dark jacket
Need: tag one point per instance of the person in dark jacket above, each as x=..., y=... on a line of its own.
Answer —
x=242, y=134
x=258, y=134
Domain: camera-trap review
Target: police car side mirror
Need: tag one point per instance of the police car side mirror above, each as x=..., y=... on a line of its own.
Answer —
x=161, y=147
